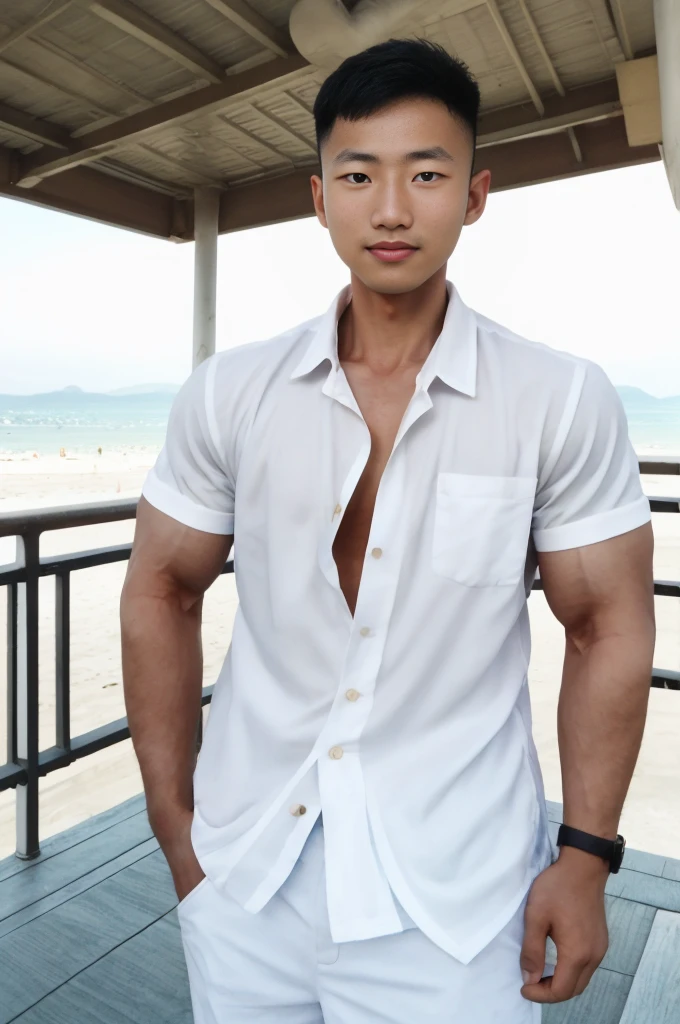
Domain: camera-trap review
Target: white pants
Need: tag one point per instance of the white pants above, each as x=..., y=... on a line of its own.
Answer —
x=280, y=966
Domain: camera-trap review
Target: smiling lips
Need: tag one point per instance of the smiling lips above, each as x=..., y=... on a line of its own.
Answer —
x=392, y=252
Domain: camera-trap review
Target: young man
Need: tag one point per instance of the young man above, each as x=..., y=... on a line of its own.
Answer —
x=391, y=474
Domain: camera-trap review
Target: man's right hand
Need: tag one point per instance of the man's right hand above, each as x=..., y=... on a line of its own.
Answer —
x=179, y=853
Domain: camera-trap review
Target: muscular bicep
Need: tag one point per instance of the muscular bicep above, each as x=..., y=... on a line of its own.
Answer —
x=168, y=555
x=603, y=588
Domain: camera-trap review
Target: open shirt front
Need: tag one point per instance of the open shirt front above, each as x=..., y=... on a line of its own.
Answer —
x=409, y=724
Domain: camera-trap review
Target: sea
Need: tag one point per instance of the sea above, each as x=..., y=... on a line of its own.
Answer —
x=82, y=422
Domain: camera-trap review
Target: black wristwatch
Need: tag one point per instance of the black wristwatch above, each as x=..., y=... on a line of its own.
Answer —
x=610, y=850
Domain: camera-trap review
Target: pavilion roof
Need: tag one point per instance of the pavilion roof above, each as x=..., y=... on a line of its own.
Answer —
x=119, y=110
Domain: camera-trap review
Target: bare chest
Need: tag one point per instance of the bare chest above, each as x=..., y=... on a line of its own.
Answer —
x=382, y=406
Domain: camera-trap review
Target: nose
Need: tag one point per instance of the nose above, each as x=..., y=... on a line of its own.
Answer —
x=392, y=209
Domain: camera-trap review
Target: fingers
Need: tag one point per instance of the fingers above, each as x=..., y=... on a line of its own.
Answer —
x=570, y=979
x=532, y=957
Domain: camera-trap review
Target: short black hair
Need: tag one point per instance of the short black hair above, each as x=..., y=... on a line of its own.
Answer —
x=394, y=70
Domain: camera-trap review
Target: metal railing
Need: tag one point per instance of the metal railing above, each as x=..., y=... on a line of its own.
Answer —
x=26, y=763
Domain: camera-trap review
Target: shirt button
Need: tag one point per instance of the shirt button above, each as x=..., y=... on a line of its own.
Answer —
x=336, y=753
x=352, y=695
x=337, y=510
x=298, y=809
x=365, y=631
x=377, y=552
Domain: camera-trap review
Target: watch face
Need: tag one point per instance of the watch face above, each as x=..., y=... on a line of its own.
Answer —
x=617, y=855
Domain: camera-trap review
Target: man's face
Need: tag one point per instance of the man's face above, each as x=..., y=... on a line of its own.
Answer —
x=401, y=175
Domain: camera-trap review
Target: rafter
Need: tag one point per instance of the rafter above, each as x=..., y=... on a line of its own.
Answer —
x=197, y=177
x=251, y=137
x=137, y=23
x=241, y=14
x=105, y=140
x=594, y=21
x=33, y=76
x=578, y=153
x=283, y=127
x=495, y=13
x=621, y=29
x=297, y=103
x=538, y=39
x=47, y=13
x=93, y=73
x=33, y=128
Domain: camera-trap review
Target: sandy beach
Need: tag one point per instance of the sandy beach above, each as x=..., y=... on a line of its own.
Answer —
x=651, y=817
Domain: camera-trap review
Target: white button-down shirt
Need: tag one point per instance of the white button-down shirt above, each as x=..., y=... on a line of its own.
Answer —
x=409, y=724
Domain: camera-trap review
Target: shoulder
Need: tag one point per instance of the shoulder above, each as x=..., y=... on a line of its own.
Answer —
x=534, y=364
x=544, y=358
x=257, y=363
x=238, y=378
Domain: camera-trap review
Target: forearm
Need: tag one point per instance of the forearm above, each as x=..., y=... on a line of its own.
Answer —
x=162, y=678
x=601, y=717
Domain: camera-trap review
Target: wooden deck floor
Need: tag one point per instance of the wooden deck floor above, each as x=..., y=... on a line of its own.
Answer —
x=89, y=934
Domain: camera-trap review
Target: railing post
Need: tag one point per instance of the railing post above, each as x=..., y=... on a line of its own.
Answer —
x=27, y=695
x=62, y=622
x=11, y=672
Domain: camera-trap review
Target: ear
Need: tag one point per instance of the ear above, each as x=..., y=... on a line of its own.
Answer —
x=317, y=195
x=480, y=183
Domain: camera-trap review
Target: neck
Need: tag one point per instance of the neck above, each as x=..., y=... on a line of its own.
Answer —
x=389, y=333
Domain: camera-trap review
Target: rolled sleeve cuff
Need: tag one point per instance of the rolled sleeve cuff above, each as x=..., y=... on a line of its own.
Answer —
x=595, y=528
x=183, y=509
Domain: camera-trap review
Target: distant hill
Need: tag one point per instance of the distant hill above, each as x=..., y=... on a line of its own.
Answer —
x=147, y=389
x=637, y=400
x=74, y=406
x=73, y=393
x=70, y=398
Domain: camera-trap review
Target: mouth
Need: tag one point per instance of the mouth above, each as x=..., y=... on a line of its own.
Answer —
x=392, y=252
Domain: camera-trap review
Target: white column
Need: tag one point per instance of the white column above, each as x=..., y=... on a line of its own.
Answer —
x=206, y=215
x=667, y=24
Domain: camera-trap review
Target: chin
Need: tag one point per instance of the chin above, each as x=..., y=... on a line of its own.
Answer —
x=392, y=278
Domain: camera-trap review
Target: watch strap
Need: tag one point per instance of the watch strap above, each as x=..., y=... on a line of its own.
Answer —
x=610, y=850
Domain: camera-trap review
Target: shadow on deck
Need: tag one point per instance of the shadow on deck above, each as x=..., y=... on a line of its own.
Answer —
x=89, y=934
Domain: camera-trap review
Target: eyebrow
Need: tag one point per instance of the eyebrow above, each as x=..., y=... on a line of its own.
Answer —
x=351, y=155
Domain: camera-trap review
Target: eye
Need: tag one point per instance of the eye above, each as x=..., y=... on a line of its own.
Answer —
x=357, y=174
x=432, y=175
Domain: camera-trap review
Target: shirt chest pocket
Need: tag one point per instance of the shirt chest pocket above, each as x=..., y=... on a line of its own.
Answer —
x=481, y=528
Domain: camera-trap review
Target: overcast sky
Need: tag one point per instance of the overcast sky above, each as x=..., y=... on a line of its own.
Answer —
x=589, y=264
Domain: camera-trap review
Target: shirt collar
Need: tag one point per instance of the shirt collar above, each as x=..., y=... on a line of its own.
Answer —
x=453, y=357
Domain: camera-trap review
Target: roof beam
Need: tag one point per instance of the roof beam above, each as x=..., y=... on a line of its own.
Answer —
x=33, y=128
x=101, y=197
x=87, y=192
x=47, y=13
x=137, y=23
x=549, y=125
x=602, y=146
x=586, y=103
x=104, y=141
x=239, y=13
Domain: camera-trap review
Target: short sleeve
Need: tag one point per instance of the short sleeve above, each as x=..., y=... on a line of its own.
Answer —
x=190, y=480
x=589, y=487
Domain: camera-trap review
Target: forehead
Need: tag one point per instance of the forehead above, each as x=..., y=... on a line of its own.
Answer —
x=403, y=126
